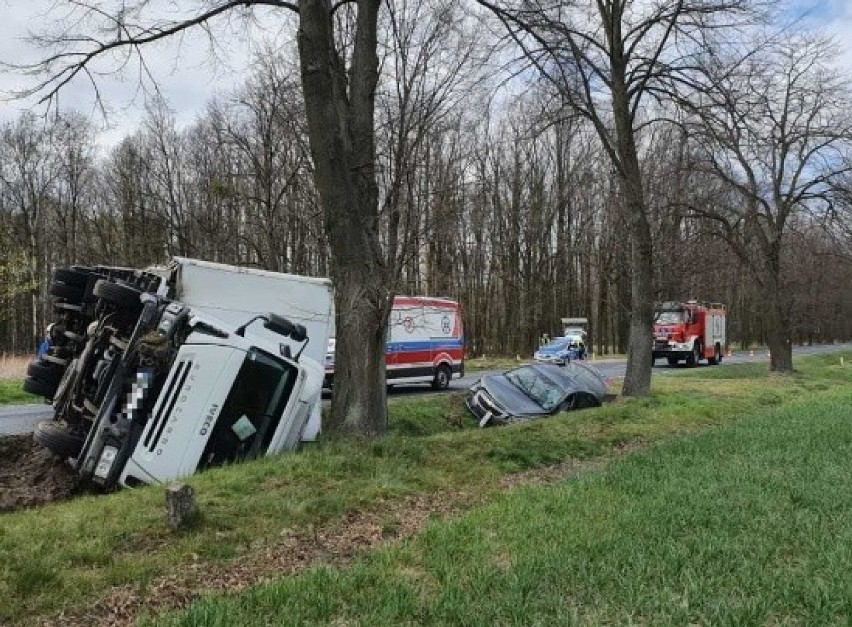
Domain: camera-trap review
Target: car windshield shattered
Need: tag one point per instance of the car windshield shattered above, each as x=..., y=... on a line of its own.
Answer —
x=542, y=390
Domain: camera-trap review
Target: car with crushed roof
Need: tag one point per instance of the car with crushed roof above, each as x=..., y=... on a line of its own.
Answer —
x=535, y=391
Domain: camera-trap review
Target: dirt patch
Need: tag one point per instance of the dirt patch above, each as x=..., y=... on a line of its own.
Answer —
x=30, y=475
x=294, y=551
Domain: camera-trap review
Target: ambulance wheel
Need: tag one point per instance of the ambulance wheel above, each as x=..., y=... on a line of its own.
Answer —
x=442, y=377
x=58, y=438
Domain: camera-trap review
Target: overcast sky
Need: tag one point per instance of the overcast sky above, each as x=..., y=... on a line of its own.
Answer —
x=188, y=79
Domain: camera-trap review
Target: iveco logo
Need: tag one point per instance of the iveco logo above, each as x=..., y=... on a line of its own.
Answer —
x=208, y=420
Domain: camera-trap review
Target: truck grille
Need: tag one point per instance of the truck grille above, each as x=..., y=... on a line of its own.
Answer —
x=169, y=398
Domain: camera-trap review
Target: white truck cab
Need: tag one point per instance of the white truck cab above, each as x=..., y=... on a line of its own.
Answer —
x=155, y=389
x=224, y=400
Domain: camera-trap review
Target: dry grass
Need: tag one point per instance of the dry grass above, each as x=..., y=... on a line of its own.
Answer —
x=14, y=366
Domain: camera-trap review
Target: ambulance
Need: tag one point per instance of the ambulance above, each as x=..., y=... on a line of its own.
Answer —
x=425, y=343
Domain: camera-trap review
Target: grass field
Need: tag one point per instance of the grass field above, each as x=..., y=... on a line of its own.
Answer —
x=11, y=393
x=443, y=523
x=746, y=525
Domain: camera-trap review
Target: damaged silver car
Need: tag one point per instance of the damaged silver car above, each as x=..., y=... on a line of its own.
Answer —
x=535, y=391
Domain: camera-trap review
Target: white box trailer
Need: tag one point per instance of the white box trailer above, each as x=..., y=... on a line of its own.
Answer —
x=234, y=293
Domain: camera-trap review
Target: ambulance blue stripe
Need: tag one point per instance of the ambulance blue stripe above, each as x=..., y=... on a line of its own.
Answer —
x=421, y=345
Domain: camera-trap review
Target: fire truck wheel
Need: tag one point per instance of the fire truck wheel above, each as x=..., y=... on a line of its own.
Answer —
x=57, y=437
x=694, y=356
x=716, y=358
x=442, y=378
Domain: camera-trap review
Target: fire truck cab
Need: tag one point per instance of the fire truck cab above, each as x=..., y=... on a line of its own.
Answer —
x=690, y=332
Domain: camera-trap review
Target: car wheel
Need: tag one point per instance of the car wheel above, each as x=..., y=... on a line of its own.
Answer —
x=58, y=438
x=443, y=375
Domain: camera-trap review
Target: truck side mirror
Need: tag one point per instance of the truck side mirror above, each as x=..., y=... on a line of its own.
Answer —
x=299, y=333
x=282, y=326
x=278, y=324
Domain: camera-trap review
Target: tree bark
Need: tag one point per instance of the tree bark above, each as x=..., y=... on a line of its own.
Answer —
x=637, y=377
x=340, y=113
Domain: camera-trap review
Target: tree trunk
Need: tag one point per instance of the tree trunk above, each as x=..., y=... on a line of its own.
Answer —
x=340, y=112
x=637, y=377
x=777, y=327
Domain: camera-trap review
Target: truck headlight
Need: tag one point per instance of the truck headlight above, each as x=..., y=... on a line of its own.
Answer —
x=106, y=461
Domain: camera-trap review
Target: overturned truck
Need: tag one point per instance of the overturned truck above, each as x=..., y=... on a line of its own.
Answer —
x=158, y=374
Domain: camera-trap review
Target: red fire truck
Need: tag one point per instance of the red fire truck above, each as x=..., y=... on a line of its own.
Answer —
x=690, y=332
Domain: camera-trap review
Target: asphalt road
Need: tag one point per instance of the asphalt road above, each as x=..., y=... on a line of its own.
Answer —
x=20, y=419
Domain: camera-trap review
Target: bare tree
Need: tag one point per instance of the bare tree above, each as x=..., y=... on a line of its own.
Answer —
x=773, y=129
x=339, y=84
x=607, y=58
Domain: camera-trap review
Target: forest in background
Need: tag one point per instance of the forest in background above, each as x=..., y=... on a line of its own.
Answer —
x=492, y=193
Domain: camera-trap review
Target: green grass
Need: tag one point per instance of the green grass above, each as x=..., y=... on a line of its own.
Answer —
x=66, y=555
x=750, y=524
x=11, y=393
x=475, y=364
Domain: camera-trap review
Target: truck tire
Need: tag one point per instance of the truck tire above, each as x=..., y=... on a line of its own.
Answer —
x=44, y=371
x=672, y=361
x=39, y=387
x=70, y=293
x=716, y=358
x=122, y=296
x=443, y=375
x=694, y=356
x=74, y=278
x=58, y=438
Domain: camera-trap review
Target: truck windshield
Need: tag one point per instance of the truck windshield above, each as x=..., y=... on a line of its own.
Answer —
x=252, y=410
x=669, y=317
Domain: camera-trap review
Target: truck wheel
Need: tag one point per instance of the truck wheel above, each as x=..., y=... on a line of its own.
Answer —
x=122, y=296
x=70, y=293
x=693, y=357
x=58, y=438
x=74, y=278
x=716, y=358
x=672, y=361
x=45, y=372
x=442, y=377
x=40, y=387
